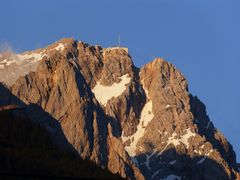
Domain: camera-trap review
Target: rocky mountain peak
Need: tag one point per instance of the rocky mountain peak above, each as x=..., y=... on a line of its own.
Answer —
x=141, y=123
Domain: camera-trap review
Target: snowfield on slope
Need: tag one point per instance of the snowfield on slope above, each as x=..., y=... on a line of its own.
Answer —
x=17, y=65
x=105, y=93
x=21, y=58
x=145, y=118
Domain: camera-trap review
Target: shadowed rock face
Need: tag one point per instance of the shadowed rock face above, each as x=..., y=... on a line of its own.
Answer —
x=29, y=150
x=141, y=123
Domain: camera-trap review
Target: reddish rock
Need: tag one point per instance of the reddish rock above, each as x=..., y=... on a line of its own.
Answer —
x=152, y=129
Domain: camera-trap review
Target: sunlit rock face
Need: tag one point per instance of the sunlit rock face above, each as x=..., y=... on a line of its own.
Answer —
x=142, y=123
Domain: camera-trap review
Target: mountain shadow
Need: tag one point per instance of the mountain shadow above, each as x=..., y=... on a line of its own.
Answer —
x=173, y=165
x=207, y=129
x=33, y=145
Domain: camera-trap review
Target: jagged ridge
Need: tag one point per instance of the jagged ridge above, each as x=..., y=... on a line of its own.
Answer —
x=140, y=123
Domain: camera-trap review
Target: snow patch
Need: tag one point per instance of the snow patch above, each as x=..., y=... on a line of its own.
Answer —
x=172, y=177
x=155, y=174
x=60, y=47
x=201, y=160
x=209, y=152
x=21, y=58
x=172, y=162
x=196, y=120
x=104, y=93
x=19, y=65
x=135, y=161
x=200, y=153
x=145, y=118
x=140, y=90
x=176, y=141
x=7, y=62
x=148, y=157
x=209, y=122
x=34, y=56
x=204, y=158
x=168, y=106
x=183, y=139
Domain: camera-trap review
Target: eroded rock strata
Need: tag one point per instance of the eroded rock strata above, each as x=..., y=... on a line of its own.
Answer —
x=141, y=123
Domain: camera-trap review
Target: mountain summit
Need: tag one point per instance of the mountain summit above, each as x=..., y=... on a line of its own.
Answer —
x=141, y=123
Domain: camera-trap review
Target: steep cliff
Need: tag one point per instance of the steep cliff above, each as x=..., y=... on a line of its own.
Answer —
x=28, y=151
x=140, y=123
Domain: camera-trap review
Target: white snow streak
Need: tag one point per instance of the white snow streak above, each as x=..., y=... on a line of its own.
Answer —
x=204, y=158
x=155, y=174
x=145, y=118
x=183, y=139
x=104, y=93
x=148, y=157
x=172, y=162
x=34, y=56
x=135, y=161
x=196, y=120
x=21, y=58
x=209, y=122
x=60, y=47
x=172, y=177
x=176, y=141
x=7, y=62
x=201, y=160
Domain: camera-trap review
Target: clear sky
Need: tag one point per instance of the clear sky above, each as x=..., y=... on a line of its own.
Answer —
x=201, y=38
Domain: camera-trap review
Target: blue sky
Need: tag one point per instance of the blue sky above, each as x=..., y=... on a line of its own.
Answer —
x=201, y=38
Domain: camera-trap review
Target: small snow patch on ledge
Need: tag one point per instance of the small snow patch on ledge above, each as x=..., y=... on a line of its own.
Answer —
x=104, y=93
x=208, y=124
x=201, y=160
x=172, y=162
x=182, y=139
x=168, y=106
x=155, y=174
x=59, y=47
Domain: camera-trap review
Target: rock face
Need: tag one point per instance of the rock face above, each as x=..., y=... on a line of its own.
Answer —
x=28, y=151
x=140, y=123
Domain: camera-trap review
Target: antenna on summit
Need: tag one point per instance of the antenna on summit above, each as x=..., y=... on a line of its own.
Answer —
x=119, y=40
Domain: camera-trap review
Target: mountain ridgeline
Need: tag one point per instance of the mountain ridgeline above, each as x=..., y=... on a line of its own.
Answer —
x=91, y=108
